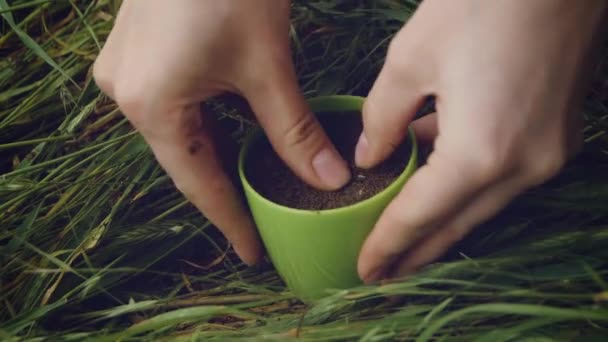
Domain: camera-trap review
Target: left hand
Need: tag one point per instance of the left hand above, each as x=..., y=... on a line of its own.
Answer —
x=161, y=61
x=506, y=76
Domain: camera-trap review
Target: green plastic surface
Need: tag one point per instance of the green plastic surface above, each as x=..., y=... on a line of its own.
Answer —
x=316, y=250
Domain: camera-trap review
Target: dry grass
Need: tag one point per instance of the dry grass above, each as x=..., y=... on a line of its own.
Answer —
x=96, y=244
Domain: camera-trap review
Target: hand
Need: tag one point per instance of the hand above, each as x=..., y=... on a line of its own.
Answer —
x=162, y=60
x=506, y=76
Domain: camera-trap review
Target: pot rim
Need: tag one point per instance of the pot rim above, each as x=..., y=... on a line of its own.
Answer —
x=329, y=100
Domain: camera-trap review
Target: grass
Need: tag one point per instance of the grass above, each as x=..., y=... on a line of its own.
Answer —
x=96, y=244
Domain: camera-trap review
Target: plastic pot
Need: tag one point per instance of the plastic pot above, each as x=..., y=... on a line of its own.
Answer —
x=316, y=251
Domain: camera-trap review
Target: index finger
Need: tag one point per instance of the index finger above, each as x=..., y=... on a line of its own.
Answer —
x=184, y=147
x=436, y=191
x=294, y=132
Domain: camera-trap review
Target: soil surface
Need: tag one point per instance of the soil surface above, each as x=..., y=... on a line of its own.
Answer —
x=269, y=175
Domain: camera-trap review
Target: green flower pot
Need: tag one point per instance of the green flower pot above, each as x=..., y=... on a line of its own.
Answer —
x=316, y=251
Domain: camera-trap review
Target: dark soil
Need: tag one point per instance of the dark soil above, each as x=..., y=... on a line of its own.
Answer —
x=274, y=180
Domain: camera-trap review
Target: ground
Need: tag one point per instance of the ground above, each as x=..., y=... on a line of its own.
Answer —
x=96, y=243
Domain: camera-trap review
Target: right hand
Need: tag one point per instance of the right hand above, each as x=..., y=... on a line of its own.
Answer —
x=506, y=76
x=161, y=61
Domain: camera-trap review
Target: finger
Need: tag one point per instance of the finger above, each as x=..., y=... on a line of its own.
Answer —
x=388, y=110
x=182, y=143
x=109, y=58
x=483, y=207
x=425, y=128
x=438, y=190
x=292, y=129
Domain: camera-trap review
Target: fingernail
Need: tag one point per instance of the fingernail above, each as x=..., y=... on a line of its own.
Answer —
x=374, y=276
x=248, y=255
x=362, y=150
x=330, y=168
x=247, y=244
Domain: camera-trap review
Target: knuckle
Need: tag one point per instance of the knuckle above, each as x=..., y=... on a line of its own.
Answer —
x=392, y=55
x=488, y=162
x=103, y=76
x=184, y=189
x=131, y=98
x=396, y=46
x=452, y=236
x=403, y=58
x=539, y=169
x=478, y=160
x=396, y=66
x=303, y=132
x=380, y=134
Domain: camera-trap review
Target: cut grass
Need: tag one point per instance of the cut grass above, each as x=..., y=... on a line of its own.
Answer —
x=97, y=244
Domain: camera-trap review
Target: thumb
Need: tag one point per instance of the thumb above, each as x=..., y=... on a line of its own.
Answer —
x=387, y=112
x=292, y=129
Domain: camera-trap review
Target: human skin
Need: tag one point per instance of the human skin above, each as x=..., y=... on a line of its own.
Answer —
x=162, y=60
x=505, y=75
